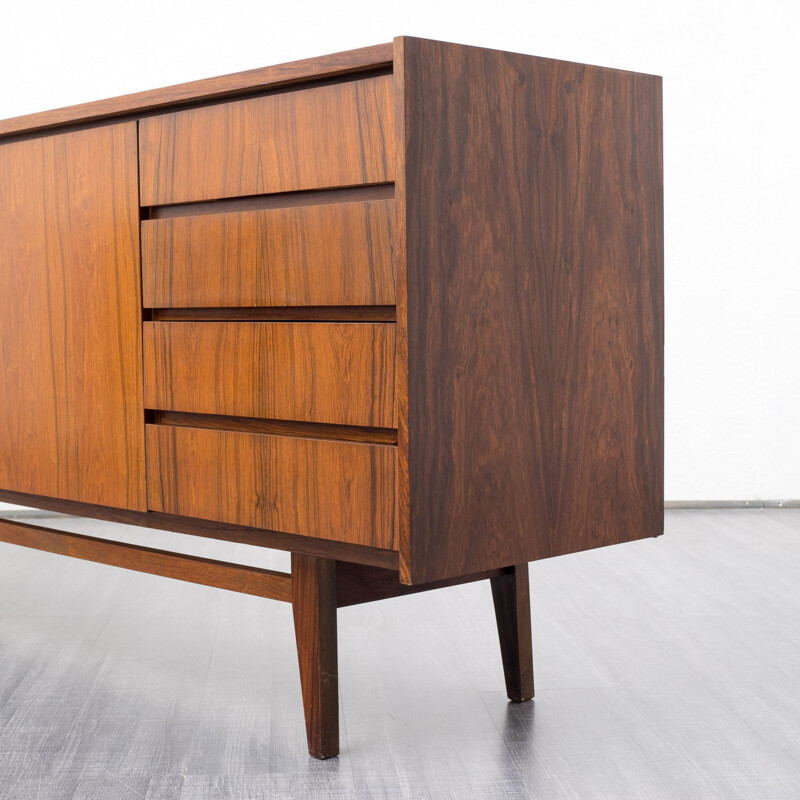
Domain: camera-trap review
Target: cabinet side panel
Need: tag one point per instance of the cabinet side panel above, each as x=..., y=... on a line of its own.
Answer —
x=533, y=193
x=71, y=414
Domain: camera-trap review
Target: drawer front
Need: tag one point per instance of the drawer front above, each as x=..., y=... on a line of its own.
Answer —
x=331, y=372
x=329, y=136
x=327, y=489
x=329, y=255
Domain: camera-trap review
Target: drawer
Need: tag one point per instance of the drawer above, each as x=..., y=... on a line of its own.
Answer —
x=328, y=136
x=335, y=490
x=330, y=255
x=330, y=372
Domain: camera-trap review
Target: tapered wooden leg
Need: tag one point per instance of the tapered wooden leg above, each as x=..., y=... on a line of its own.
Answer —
x=314, y=606
x=512, y=607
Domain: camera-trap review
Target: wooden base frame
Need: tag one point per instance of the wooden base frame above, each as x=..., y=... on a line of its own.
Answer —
x=317, y=587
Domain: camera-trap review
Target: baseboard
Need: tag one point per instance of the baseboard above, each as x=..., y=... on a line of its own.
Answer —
x=697, y=504
x=28, y=513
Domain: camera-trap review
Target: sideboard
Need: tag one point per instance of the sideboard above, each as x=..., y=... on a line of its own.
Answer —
x=397, y=310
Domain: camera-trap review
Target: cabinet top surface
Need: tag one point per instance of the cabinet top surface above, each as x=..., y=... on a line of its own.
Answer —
x=350, y=61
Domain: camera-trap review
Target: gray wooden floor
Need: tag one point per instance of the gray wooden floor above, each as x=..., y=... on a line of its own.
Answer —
x=667, y=668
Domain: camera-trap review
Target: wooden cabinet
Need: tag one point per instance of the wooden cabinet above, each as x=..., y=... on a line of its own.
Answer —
x=401, y=314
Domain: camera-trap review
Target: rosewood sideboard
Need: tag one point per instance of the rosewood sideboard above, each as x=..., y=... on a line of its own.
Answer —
x=397, y=310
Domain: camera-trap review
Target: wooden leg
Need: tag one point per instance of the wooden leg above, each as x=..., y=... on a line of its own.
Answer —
x=314, y=607
x=512, y=607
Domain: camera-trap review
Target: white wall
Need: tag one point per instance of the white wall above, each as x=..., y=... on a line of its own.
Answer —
x=732, y=165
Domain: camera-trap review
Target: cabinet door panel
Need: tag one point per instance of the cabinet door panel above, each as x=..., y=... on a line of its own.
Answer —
x=71, y=412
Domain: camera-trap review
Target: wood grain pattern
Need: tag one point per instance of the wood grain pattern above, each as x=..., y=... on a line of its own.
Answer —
x=314, y=608
x=534, y=234
x=512, y=608
x=263, y=78
x=341, y=373
x=333, y=254
x=340, y=491
x=329, y=136
x=70, y=309
x=205, y=571
x=224, y=532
